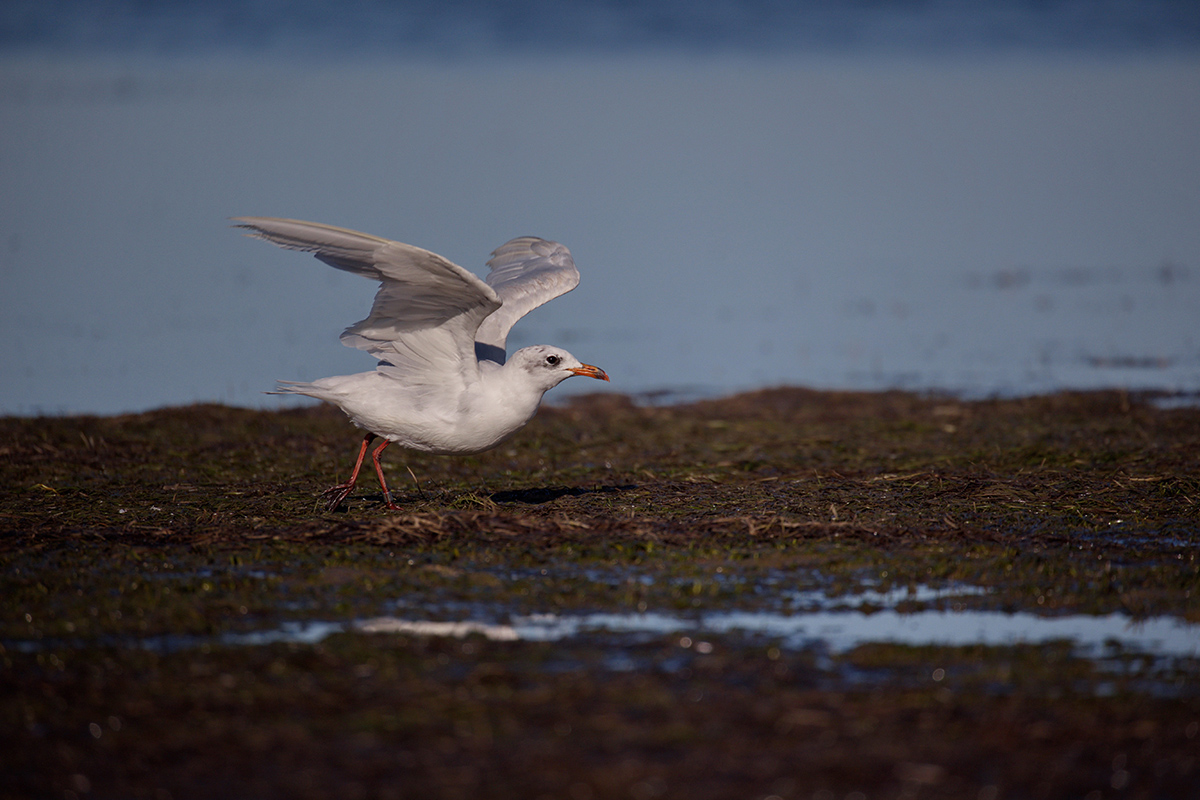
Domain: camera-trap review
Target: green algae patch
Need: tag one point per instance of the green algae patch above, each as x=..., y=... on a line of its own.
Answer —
x=146, y=562
x=782, y=461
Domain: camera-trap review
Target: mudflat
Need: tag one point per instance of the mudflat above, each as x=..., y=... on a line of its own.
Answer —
x=613, y=604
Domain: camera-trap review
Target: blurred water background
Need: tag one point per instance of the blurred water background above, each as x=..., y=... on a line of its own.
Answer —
x=995, y=198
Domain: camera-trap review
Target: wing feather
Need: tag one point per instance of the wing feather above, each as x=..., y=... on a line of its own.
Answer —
x=426, y=313
x=525, y=273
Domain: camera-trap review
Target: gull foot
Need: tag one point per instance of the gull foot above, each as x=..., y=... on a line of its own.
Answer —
x=387, y=499
x=336, y=494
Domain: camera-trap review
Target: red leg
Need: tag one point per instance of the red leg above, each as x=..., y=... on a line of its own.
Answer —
x=337, y=494
x=387, y=496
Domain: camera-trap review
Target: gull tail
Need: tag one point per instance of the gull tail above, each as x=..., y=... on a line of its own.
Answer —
x=297, y=387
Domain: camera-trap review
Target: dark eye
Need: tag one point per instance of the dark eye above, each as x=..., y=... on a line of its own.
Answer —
x=553, y=360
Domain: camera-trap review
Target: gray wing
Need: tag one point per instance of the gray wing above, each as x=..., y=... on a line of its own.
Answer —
x=525, y=272
x=427, y=310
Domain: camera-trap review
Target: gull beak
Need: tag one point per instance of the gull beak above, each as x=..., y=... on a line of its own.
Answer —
x=589, y=371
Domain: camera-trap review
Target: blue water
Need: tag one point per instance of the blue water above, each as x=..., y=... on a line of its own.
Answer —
x=458, y=28
x=981, y=199
x=832, y=624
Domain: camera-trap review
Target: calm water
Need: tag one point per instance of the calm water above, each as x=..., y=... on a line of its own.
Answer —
x=866, y=197
x=832, y=624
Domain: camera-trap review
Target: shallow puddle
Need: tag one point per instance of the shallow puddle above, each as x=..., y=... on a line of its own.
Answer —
x=810, y=619
x=836, y=631
x=919, y=615
x=827, y=624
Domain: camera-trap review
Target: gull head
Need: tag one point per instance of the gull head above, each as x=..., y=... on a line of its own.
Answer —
x=549, y=366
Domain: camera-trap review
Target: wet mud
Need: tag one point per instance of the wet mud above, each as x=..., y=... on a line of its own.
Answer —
x=179, y=618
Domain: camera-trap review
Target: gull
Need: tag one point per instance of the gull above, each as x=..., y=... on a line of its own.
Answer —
x=443, y=383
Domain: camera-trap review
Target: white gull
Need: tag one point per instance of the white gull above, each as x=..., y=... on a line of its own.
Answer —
x=443, y=384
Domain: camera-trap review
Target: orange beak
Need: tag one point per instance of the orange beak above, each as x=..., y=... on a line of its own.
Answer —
x=590, y=371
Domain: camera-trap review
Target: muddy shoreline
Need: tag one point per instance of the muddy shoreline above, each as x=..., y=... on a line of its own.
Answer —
x=136, y=550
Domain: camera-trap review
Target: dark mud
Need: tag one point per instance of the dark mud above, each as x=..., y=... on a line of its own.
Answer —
x=140, y=556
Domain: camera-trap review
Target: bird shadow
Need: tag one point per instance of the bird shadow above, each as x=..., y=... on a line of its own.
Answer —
x=537, y=496
x=548, y=494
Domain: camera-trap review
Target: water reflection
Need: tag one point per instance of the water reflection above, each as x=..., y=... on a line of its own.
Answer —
x=840, y=631
x=831, y=624
x=809, y=620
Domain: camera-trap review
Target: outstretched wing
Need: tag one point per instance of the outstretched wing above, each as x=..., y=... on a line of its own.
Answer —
x=426, y=313
x=525, y=272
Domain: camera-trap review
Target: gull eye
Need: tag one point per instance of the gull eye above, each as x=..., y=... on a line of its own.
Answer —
x=553, y=360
